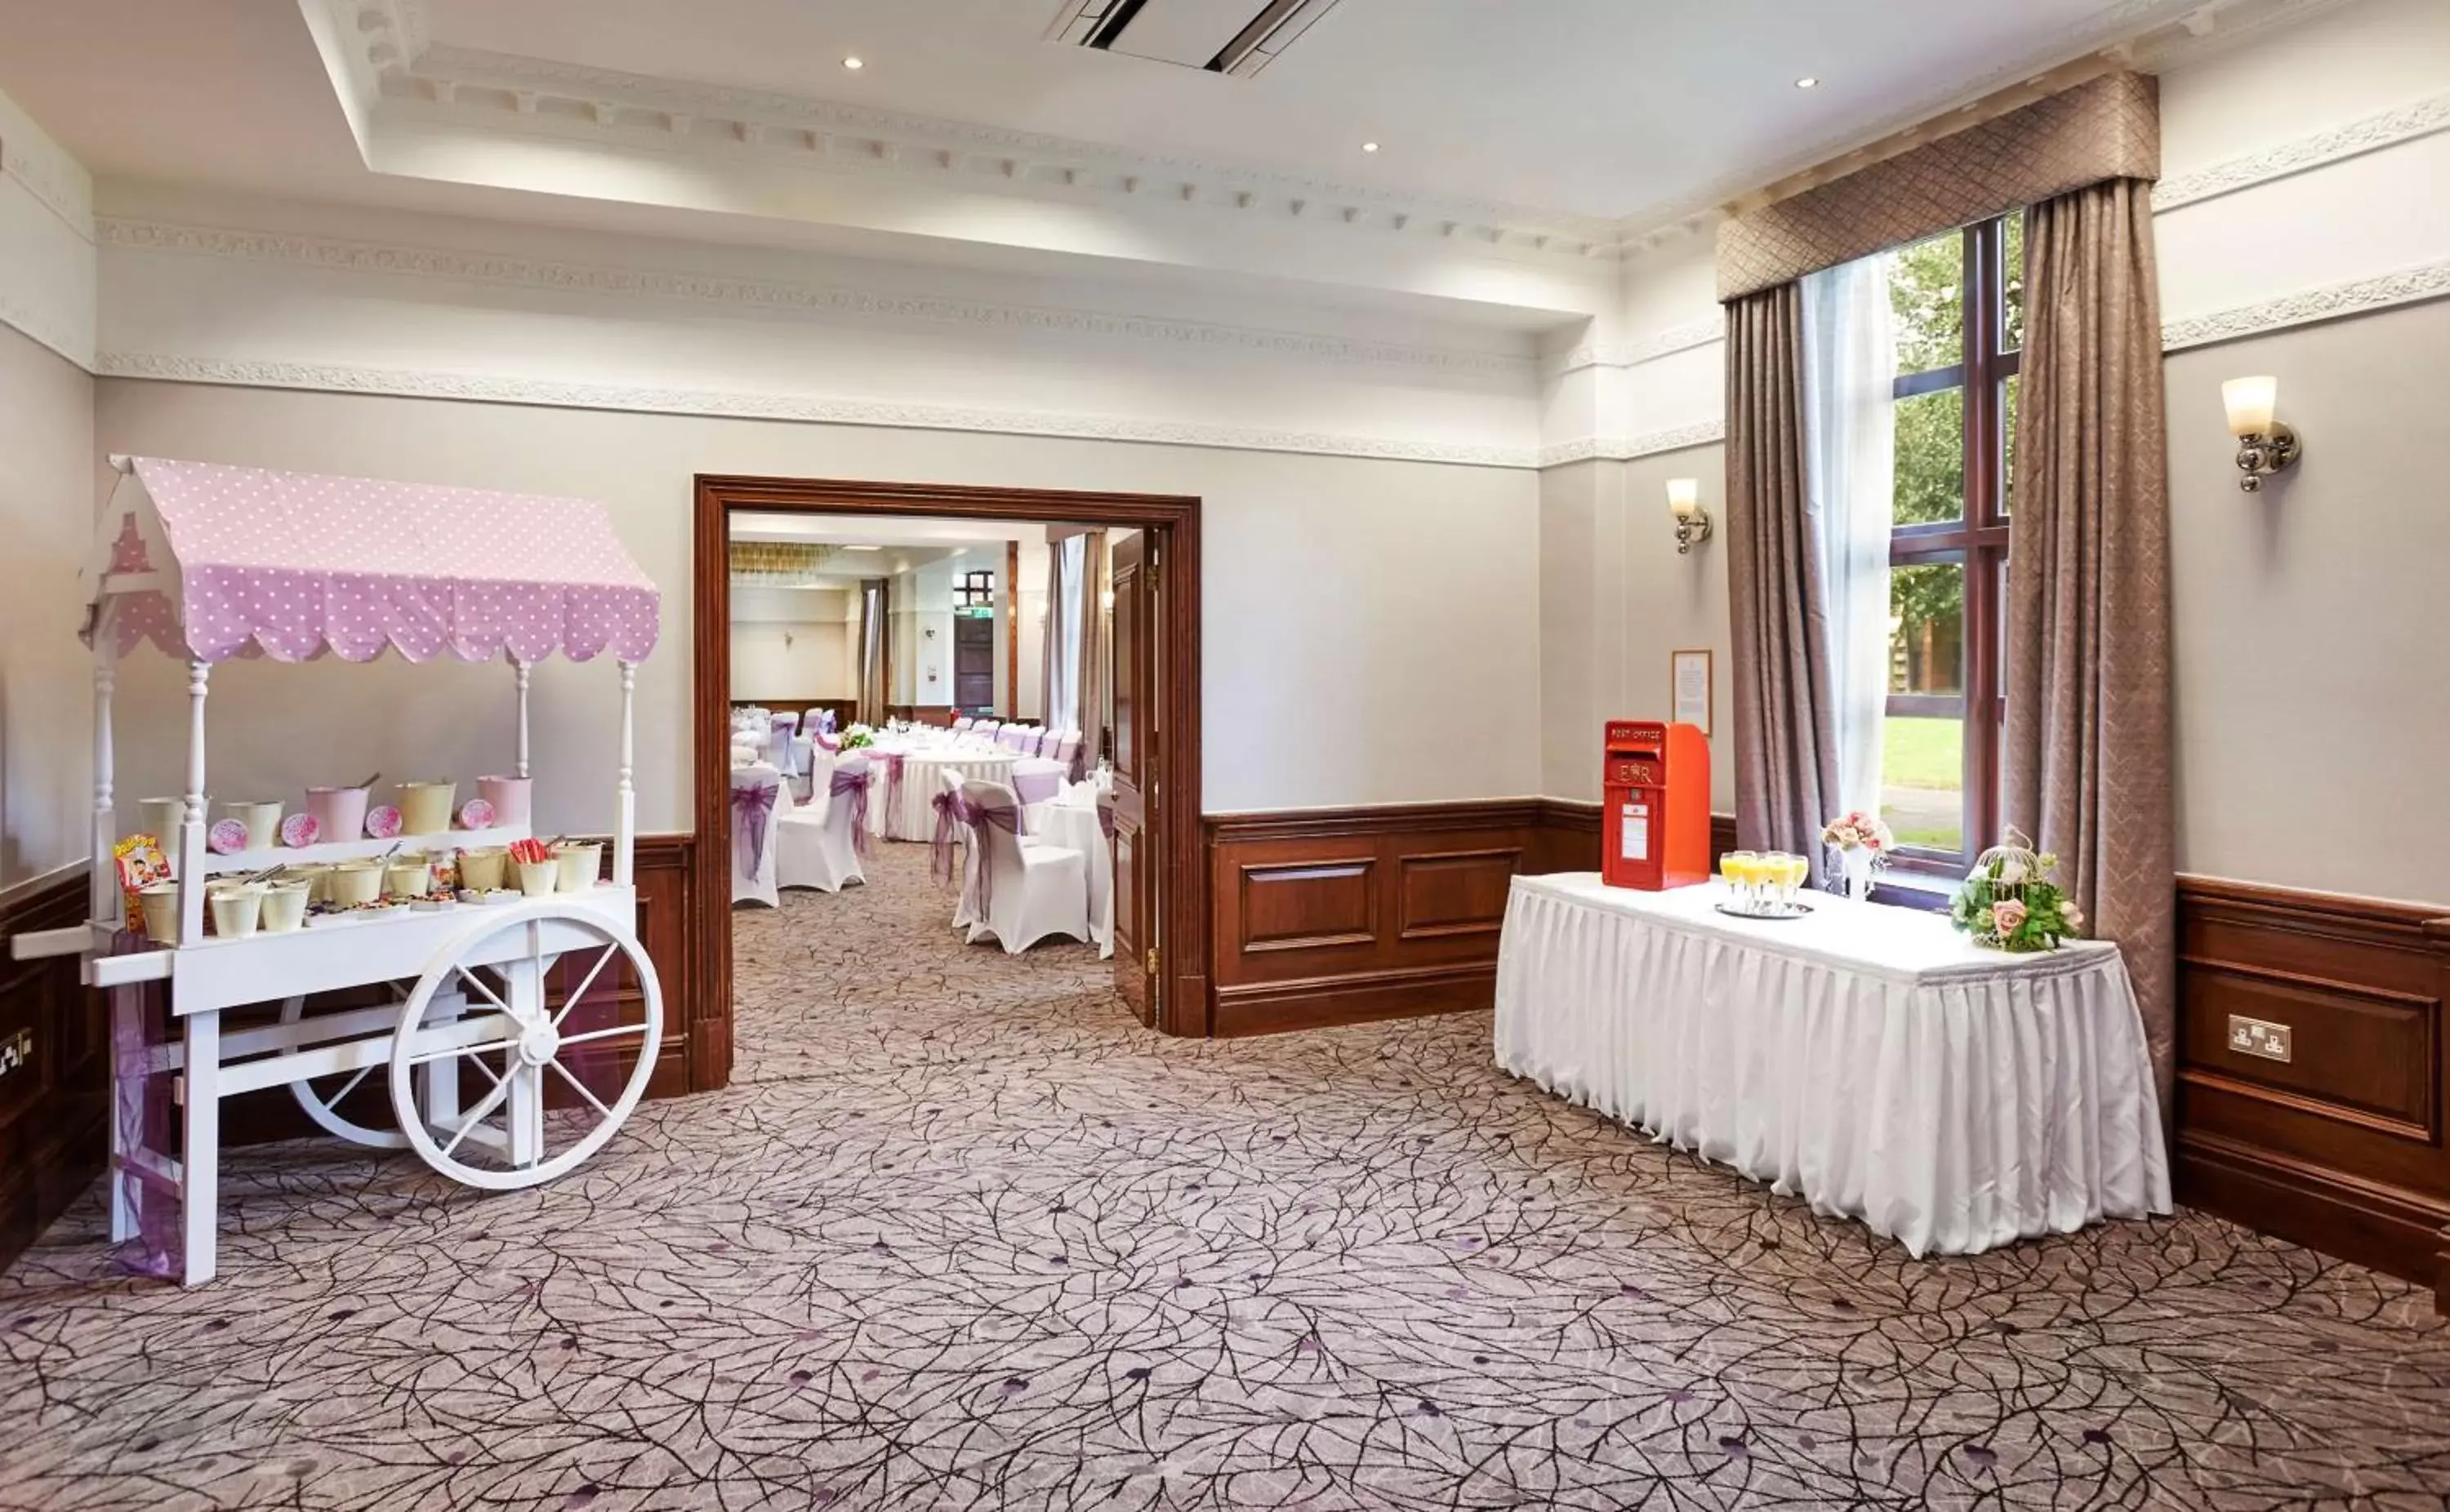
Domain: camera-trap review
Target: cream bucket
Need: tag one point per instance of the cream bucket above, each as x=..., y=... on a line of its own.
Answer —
x=237, y=910
x=484, y=869
x=408, y=877
x=425, y=807
x=284, y=907
x=161, y=818
x=536, y=877
x=352, y=884
x=159, y=904
x=581, y=864
x=262, y=819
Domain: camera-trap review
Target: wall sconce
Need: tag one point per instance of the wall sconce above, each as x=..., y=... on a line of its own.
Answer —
x=2264, y=446
x=1692, y=520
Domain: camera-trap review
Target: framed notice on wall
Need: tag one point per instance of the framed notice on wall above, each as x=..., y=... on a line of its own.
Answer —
x=1689, y=676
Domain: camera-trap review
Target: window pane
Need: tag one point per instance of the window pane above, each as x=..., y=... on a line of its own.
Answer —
x=1922, y=781
x=1931, y=458
x=1926, y=629
x=2014, y=283
x=2007, y=445
x=1927, y=296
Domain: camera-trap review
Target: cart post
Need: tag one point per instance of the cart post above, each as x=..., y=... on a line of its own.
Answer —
x=191, y=833
x=103, y=900
x=625, y=825
x=521, y=670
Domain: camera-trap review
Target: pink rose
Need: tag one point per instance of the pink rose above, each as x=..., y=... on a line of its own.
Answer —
x=2007, y=914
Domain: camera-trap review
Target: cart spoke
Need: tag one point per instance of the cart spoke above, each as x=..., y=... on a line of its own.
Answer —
x=484, y=1105
x=580, y=1088
x=475, y=981
x=579, y=992
x=568, y=1041
x=351, y=1086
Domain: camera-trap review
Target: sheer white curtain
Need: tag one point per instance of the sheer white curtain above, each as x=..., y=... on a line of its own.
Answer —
x=1850, y=478
x=1068, y=566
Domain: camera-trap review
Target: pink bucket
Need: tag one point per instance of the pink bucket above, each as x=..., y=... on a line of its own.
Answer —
x=339, y=813
x=509, y=796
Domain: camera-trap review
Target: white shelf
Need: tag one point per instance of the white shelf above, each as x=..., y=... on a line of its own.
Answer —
x=251, y=860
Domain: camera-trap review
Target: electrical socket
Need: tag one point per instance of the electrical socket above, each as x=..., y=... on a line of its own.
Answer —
x=16, y=1051
x=2261, y=1037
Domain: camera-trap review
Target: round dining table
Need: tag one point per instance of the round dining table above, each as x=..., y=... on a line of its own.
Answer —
x=908, y=778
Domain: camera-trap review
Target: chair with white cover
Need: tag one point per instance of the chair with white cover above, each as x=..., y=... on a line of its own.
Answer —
x=962, y=724
x=955, y=855
x=757, y=810
x=1021, y=894
x=820, y=847
x=984, y=731
x=1067, y=752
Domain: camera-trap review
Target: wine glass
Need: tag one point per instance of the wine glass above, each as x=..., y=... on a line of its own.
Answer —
x=1737, y=867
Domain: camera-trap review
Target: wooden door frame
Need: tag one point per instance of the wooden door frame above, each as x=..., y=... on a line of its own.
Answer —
x=1172, y=519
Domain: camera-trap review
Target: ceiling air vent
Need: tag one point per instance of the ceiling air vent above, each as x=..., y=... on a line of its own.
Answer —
x=1238, y=37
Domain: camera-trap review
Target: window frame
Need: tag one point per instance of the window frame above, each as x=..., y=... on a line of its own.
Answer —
x=1978, y=539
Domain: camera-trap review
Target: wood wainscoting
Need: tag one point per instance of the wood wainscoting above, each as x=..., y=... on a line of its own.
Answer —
x=1329, y=916
x=2341, y=1148
x=54, y=1070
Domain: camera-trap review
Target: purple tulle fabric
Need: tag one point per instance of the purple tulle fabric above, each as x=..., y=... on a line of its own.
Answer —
x=750, y=806
x=852, y=783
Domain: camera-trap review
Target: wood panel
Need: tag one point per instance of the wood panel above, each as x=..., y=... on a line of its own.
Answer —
x=1331, y=915
x=1570, y=835
x=2342, y=1147
x=54, y=1071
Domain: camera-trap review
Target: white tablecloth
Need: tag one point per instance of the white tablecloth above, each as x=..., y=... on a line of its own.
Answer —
x=1074, y=826
x=923, y=778
x=1867, y=1059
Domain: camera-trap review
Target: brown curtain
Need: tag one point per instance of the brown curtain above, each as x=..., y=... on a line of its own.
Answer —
x=875, y=648
x=1095, y=662
x=1785, y=724
x=2087, y=759
x=1076, y=655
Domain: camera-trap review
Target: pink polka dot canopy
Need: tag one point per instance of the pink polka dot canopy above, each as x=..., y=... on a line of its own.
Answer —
x=212, y=562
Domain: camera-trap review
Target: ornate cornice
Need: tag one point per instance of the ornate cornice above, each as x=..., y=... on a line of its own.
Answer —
x=503, y=89
x=809, y=409
x=28, y=155
x=777, y=296
x=1648, y=349
x=2335, y=302
x=2372, y=134
x=1628, y=448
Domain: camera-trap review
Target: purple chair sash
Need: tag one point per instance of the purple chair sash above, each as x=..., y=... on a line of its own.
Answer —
x=951, y=809
x=750, y=806
x=854, y=782
x=826, y=722
x=892, y=759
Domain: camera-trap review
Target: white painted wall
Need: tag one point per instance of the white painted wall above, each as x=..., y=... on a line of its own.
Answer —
x=1337, y=665
x=2310, y=620
x=47, y=513
x=791, y=643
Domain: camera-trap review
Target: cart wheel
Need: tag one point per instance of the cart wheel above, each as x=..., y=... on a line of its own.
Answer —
x=321, y=1096
x=506, y=1138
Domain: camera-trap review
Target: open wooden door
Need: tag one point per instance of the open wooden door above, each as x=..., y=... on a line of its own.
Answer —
x=1137, y=863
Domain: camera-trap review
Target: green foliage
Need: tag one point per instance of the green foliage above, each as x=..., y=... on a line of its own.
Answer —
x=2046, y=916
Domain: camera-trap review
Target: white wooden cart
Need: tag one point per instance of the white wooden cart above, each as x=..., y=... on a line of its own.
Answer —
x=490, y=1082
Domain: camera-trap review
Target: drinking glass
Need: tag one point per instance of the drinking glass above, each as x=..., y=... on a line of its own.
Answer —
x=1799, y=869
x=1737, y=867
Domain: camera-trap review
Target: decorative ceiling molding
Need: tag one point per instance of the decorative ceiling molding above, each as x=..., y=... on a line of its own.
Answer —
x=506, y=91
x=780, y=564
x=28, y=155
x=1648, y=349
x=1628, y=448
x=2408, y=123
x=815, y=301
x=2414, y=286
x=807, y=409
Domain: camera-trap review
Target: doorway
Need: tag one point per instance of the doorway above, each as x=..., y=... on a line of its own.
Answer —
x=1161, y=892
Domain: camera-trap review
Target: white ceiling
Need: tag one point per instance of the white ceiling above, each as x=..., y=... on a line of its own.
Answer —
x=1599, y=108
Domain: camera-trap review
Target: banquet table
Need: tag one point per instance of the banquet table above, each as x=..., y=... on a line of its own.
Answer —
x=1865, y=1057
x=909, y=812
x=1075, y=827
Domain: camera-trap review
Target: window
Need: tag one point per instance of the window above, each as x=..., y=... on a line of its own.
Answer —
x=975, y=592
x=1959, y=305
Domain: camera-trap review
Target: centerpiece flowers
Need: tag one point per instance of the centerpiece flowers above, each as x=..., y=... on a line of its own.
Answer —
x=1861, y=845
x=2009, y=903
x=856, y=736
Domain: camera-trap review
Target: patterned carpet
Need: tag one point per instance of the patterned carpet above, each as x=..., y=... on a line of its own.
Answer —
x=964, y=1235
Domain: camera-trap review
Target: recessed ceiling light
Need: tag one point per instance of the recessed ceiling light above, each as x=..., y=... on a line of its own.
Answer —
x=862, y=548
x=1370, y=147
x=1807, y=82
x=854, y=62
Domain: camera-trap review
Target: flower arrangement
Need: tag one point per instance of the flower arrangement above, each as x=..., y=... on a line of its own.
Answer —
x=2009, y=903
x=1857, y=830
x=856, y=736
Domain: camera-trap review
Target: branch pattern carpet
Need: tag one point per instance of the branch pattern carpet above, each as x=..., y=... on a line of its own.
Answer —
x=963, y=1234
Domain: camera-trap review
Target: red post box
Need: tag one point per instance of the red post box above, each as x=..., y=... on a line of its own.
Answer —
x=1656, y=829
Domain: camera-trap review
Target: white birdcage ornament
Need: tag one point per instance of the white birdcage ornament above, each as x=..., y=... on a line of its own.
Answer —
x=2012, y=865
x=2011, y=899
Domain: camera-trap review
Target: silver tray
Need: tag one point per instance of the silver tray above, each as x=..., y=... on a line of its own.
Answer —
x=1773, y=912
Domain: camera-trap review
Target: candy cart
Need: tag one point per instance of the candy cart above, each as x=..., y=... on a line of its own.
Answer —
x=508, y=1059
